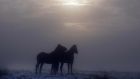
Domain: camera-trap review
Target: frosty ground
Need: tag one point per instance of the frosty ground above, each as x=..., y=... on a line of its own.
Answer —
x=77, y=75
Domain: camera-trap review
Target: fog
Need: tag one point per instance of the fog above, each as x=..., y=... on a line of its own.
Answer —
x=105, y=31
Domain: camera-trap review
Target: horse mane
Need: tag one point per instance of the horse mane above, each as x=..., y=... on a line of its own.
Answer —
x=74, y=47
x=60, y=48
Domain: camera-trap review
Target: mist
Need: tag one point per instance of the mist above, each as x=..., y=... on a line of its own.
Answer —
x=105, y=31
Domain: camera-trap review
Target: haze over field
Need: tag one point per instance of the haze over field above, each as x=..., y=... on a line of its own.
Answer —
x=106, y=32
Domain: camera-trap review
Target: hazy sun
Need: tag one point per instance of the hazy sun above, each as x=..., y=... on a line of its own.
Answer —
x=73, y=2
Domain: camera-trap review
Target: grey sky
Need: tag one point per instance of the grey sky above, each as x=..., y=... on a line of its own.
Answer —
x=106, y=32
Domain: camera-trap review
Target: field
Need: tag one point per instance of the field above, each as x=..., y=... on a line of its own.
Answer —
x=79, y=75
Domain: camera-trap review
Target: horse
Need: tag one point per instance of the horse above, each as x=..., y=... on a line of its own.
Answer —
x=49, y=58
x=68, y=57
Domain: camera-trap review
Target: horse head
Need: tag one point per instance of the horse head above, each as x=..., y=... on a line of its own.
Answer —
x=74, y=49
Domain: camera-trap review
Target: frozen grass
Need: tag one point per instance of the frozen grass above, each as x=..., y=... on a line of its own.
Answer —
x=80, y=75
x=3, y=72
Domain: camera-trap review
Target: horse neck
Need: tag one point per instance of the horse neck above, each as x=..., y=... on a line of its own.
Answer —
x=70, y=52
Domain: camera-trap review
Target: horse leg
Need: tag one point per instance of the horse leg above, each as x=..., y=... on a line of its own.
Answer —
x=52, y=69
x=37, y=65
x=41, y=68
x=71, y=68
x=68, y=68
x=57, y=67
x=61, y=67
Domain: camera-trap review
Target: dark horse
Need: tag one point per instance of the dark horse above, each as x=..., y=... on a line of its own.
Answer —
x=50, y=58
x=68, y=57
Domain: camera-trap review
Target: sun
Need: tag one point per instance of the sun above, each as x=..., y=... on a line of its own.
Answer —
x=73, y=2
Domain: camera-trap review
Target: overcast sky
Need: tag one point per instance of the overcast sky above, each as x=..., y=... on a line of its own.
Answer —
x=105, y=31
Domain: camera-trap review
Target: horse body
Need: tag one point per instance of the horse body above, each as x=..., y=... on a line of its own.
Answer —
x=51, y=58
x=59, y=55
x=44, y=58
x=68, y=57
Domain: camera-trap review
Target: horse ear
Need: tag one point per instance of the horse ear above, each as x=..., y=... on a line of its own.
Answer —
x=75, y=45
x=58, y=44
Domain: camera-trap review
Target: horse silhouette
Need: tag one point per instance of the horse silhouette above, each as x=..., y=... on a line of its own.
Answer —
x=68, y=57
x=50, y=58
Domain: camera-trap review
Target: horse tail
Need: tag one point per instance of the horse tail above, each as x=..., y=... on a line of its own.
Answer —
x=37, y=63
x=39, y=58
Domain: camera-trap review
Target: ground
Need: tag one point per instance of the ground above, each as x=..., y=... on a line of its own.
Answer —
x=78, y=75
